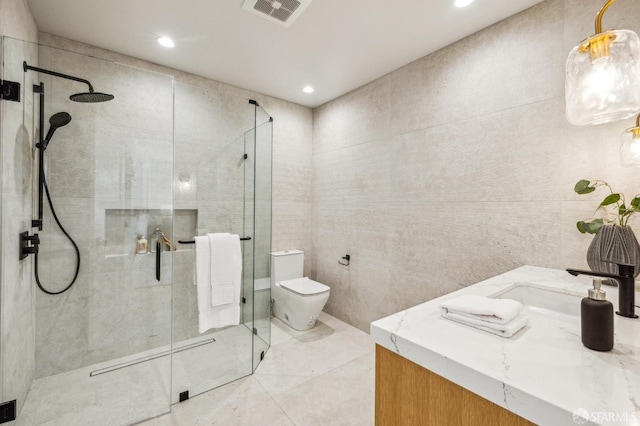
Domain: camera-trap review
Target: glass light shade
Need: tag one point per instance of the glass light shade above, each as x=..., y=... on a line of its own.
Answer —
x=630, y=147
x=603, y=78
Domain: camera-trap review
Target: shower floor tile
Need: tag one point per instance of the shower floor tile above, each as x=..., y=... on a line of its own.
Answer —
x=126, y=391
x=324, y=376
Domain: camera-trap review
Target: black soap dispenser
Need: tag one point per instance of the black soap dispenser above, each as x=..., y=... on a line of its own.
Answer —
x=596, y=318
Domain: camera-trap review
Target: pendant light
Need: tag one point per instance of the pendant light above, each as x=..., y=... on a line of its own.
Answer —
x=630, y=145
x=603, y=76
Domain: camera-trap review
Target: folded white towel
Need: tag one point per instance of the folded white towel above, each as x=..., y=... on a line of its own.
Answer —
x=226, y=267
x=483, y=308
x=209, y=316
x=502, y=330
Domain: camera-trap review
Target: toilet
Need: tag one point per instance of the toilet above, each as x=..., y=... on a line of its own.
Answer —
x=297, y=300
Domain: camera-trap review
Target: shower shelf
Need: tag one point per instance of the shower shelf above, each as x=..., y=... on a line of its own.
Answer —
x=123, y=227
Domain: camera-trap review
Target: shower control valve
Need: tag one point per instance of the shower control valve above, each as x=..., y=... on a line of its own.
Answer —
x=28, y=244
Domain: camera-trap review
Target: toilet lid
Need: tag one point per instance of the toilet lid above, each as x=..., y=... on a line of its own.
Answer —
x=304, y=286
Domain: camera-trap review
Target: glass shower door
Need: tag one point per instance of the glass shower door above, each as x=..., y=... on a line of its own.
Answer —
x=211, y=195
x=102, y=347
x=260, y=140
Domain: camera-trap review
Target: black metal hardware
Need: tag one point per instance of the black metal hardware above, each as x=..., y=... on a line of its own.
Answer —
x=244, y=300
x=270, y=119
x=252, y=102
x=626, y=287
x=347, y=258
x=246, y=156
x=27, y=67
x=8, y=411
x=255, y=331
x=40, y=90
x=184, y=396
x=28, y=244
x=10, y=90
x=261, y=355
x=158, y=254
x=86, y=97
x=193, y=242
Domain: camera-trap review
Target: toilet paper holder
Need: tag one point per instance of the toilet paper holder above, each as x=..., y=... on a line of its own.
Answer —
x=347, y=258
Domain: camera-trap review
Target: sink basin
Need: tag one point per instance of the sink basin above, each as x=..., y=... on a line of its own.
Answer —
x=543, y=300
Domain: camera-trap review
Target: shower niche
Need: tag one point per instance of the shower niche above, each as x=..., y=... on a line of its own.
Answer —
x=123, y=227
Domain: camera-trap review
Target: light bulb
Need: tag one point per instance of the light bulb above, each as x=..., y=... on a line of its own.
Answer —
x=599, y=84
x=630, y=147
x=603, y=79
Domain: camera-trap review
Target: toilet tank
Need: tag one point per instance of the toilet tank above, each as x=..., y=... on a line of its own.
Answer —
x=287, y=265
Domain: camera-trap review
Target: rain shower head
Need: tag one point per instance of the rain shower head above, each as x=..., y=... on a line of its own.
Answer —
x=91, y=97
x=56, y=121
x=86, y=97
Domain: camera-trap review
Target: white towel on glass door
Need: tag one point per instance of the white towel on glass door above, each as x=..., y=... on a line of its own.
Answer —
x=226, y=267
x=482, y=308
x=208, y=316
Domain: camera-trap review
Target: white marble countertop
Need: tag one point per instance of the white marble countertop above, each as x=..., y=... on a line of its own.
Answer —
x=543, y=373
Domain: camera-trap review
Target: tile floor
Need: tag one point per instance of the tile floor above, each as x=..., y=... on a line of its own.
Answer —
x=324, y=376
x=130, y=391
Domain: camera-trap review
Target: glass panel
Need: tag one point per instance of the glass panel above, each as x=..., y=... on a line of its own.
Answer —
x=17, y=307
x=210, y=193
x=102, y=348
x=262, y=235
x=249, y=212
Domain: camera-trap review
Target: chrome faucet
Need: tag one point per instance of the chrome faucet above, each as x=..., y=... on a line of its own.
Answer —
x=626, y=287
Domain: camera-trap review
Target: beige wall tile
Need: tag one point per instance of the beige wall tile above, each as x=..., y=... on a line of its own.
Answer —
x=16, y=21
x=514, y=62
x=357, y=117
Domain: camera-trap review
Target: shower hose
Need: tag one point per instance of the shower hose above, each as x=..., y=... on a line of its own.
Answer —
x=64, y=231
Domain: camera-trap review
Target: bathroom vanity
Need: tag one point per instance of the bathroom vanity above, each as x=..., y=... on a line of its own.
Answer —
x=430, y=370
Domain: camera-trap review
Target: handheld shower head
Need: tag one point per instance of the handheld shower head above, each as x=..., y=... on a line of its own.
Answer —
x=57, y=120
x=60, y=119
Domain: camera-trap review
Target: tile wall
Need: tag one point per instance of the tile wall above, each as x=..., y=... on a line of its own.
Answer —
x=460, y=166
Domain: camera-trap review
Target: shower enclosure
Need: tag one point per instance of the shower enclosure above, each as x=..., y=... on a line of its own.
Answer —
x=123, y=344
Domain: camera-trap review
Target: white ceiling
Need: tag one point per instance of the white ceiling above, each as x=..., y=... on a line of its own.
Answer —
x=335, y=45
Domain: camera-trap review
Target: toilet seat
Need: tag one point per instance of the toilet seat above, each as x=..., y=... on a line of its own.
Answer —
x=304, y=286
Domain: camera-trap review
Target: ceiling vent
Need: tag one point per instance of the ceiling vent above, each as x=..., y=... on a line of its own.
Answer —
x=283, y=12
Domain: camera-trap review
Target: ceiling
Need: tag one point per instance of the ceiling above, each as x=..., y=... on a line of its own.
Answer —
x=335, y=45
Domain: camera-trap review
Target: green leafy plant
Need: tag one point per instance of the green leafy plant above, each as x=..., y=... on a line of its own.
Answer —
x=613, y=210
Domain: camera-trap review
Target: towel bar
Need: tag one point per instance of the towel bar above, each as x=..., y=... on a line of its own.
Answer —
x=193, y=242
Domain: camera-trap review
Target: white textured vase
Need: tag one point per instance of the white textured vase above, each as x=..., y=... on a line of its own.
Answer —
x=612, y=245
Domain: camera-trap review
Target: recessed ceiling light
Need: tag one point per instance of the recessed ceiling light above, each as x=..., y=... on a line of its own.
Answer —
x=166, y=42
x=308, y=89
x=463, y=3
